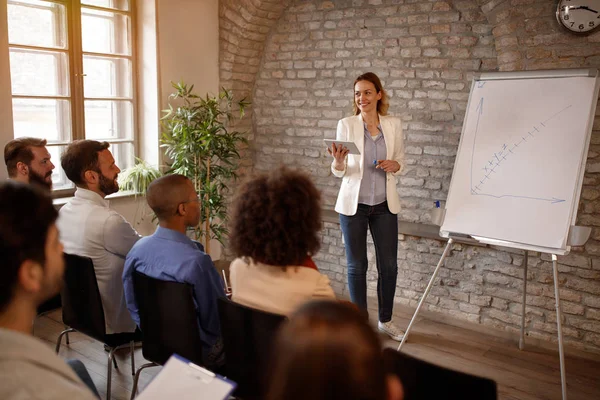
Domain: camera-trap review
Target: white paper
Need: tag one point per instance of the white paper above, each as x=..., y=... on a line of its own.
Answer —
x=517, y=173
x=182, y=380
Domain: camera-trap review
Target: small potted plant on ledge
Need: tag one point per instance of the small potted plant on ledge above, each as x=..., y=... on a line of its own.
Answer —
x=199, y=144
x=136, y=179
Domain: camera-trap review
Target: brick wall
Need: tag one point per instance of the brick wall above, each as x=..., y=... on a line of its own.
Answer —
x=426, y=53
x=243, y=29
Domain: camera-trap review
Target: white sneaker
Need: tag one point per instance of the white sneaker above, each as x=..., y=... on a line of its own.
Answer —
x=391, y=330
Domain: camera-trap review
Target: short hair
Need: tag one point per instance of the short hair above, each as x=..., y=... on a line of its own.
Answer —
x=327, y=351
x=19, y=150
x=166, y=193
x=26, y=215
x=81, y=156
x=276, y=218
x=383, y=103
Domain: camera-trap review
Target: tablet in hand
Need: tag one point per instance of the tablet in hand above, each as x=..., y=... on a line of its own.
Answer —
x=351, y=146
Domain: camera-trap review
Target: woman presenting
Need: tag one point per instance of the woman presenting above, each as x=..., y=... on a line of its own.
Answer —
x=368, y=197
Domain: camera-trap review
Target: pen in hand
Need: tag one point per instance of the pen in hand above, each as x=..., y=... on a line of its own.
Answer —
x=227, y=288
x=387, y=165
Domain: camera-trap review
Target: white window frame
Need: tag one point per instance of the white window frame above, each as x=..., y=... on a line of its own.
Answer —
x=76, y=97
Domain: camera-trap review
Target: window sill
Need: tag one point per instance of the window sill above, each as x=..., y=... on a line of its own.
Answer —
x=61, y=201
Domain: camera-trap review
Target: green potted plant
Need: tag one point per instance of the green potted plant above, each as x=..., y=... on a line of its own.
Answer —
x=199, y=144
x=136, y=179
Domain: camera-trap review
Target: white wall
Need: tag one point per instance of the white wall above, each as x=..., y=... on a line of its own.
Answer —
x=6, y=125
x=188, y=42
x=148, y=122
x=188, y=50
x=177, y=40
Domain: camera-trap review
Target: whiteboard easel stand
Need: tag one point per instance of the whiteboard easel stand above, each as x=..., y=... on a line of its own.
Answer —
x=427, y=290
x=578, y=236
x=524, y=301
x=563, y=378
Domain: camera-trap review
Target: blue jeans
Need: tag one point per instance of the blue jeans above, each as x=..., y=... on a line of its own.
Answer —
x=384, y=230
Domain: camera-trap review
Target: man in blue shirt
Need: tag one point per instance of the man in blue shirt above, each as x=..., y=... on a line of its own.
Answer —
x=171, y=256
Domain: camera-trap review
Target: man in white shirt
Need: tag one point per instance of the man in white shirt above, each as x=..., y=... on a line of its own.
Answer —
x=31, y=271
x=89, y=228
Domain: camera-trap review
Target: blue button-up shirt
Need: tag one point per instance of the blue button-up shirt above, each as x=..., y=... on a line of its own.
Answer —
x=171, y=256
x=372, y=186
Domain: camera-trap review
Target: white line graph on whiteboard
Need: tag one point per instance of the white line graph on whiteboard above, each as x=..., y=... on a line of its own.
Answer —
x=504, y=154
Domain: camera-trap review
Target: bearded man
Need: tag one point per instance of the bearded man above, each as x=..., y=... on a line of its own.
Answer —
x=28, y=161
x=89, y=228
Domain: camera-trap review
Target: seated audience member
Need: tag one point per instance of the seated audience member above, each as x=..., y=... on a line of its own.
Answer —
x=28, y=161
x=329, y=351
x=170, y=255
x=274, y=231
x=89, y=228
x=31, y=271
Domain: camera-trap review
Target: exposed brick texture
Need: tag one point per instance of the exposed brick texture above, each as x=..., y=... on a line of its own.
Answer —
x=244, y=26
x=296, y=60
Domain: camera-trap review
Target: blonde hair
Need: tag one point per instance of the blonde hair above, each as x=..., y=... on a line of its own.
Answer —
x=383, y=103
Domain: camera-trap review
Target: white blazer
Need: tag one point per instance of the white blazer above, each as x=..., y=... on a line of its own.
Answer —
x=352, y=129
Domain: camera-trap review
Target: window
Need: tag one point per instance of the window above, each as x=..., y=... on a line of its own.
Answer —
x=71, y=65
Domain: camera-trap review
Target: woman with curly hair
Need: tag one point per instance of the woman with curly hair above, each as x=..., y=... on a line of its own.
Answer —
x=274, y=232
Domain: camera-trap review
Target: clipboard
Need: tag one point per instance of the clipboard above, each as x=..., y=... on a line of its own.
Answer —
x=183, y=380
x=351, y=146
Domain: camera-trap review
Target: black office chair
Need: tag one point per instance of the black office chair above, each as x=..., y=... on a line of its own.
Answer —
x=424, y=381
x=168, y=321
x=248, y=338
x=82, y=311
x=49, y=305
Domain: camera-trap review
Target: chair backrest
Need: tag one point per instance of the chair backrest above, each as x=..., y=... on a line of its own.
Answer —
x=248, y=338
x=423, y=381
x=52, y=303
x=81, y=303
x=167, y=319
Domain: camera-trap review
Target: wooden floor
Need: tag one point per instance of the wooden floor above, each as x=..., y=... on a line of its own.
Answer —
x=533, y=373
x=92, y=354
x=525, y=375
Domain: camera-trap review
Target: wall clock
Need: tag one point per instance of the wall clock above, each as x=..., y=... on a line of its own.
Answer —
x=579, y=16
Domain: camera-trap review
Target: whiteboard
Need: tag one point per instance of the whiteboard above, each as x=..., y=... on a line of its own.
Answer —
x=519, y=169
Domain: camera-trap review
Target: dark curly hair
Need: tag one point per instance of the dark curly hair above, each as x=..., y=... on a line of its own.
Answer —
x=276, y=218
